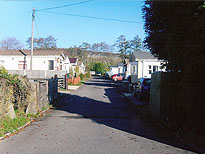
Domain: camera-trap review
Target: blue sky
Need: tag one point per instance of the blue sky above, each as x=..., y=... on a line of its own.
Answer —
x=15, y=20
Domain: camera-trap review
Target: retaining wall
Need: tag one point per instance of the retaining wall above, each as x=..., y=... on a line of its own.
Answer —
x=41, y=94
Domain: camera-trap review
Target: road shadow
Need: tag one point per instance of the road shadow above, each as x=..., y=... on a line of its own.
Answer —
x=115, y=113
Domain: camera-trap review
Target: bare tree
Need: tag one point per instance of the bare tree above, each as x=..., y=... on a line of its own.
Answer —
x=43, y=43
x=10, y=43
x=85, y=46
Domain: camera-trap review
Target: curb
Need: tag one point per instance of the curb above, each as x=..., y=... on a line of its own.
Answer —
x=7, y=135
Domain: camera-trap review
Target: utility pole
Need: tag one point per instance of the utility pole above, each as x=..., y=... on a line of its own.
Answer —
x=33, y=16
x=24, y=63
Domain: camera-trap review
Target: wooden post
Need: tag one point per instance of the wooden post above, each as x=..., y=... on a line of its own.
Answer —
x=66, y=81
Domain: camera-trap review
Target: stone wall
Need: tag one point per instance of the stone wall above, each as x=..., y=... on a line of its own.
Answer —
x=40, y=93
x=6, y=99
x=46, y=93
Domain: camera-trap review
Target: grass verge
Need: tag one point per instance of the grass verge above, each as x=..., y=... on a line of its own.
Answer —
x=8, y=125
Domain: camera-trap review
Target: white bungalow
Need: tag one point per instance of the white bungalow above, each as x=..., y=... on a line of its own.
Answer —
x=42, y=60
x=143, y=64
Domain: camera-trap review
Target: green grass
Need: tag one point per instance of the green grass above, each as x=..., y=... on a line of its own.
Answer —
x=9, y=125
x=62, y=89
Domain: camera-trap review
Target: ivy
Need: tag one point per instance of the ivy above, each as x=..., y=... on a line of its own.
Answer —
x=20, y=87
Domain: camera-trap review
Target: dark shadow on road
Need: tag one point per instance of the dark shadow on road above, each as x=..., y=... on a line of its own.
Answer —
x=99, y=84
x=117, y=114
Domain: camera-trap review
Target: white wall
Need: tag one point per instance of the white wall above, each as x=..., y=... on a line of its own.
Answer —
x=114, y=70
x=147, y=67
x=130, y=69
x=142, y=67
x=120, y=69
x=39, y=62
x=11, y=62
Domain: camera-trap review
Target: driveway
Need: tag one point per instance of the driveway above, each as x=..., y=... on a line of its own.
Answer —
x=94, y=119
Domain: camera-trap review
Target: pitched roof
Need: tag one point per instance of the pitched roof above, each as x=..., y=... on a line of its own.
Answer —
x=73, y=60
x=143, y=55
x=35, y=52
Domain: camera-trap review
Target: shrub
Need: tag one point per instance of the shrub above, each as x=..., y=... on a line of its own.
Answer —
x=88, y=75
x=99, y=68
x=84, y=76
x=81, y=76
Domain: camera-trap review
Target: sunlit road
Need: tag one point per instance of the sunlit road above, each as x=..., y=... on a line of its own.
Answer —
x=95, y=119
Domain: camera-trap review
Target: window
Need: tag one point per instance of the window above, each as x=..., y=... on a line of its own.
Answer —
x=155, y=68
x=150, y=69
x=22, y=65
x=51, y=65
x=134, y=69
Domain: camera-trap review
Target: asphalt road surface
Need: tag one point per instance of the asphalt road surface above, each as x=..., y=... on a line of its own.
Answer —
x=95, y=119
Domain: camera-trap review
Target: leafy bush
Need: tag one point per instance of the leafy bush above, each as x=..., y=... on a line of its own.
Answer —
x=99, y=68
x=84, y=76
x=88, y=75
x=3, y=72
x=81, y=76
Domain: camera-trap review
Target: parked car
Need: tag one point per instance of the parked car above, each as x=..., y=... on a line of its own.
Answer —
x=106, y=75
x=142, y=89
x=129, y=78
x=98, y=74
x=118, y=77
x=113, y=76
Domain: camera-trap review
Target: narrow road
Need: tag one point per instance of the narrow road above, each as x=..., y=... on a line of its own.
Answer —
x=95, y=119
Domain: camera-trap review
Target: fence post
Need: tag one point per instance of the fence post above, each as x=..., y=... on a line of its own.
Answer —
x=66, y=81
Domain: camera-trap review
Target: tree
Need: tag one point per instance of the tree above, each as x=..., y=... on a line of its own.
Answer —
x=100, y=47
x=10, y=43
x=43, y=43
x=123, y=45
x=50, y=42
x=175, y=34
x=85, y=46
x=104, y=46
x=99, y=67
x=136, y=43
x=95, y=47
